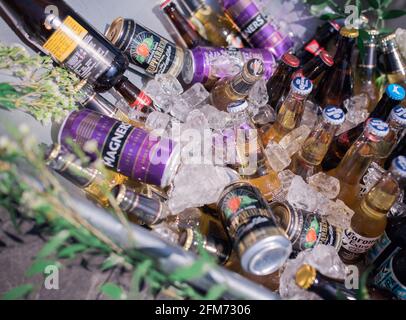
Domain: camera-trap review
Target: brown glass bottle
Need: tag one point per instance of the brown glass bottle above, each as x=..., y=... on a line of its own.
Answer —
x=338, y=85
x=185, y=29
x=395, y=66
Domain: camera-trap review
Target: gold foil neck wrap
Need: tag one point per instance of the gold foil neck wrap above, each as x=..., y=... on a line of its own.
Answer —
x=349, y=33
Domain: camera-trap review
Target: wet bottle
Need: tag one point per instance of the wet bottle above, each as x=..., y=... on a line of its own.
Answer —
x=184, y=27
x=56, y=29
x=96, y=184
x=393, y=95
x=279, y=84
x=366, y=71
x=306, y=162
x=369, y=221
x=394, y=64
x=357, y=160
x=326, y=33
x=251, y=161
x=290, y=112
x=308, y=278
x=316, y=67
x=230, y=90
x=218, y=29
x=339, y=83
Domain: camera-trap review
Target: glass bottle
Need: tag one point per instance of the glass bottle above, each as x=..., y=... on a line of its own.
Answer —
x=366, y=72
x=230, y=90
x=290, y=112
x=369, y=221
x=339, y=82
x=316, y=67
x=357, y=160
x=395, y=66
x=306, y=162
x=69, y=39
x=219, y=30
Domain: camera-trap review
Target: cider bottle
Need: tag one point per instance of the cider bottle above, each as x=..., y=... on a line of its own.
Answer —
x=317, y=67
x=338, y=85
x=291, y=111
x=357, y=160
x=395, y=65
x=306, y=162
x=369, y=221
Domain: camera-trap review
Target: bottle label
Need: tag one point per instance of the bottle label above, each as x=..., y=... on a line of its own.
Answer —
x=153, y=53
x=143, y=103
x=353, y=244
x=314, y=48
x=80, y=52
x=386, y=279
x=378, y=248
x=254, y=25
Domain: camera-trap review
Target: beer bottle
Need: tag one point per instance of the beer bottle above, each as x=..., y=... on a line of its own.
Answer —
x=306, y=162
x=230, y=90
x=57, y=30
x=318, y=43
x=394, y=64
x=185, y=28
x=400, y=150
x=338, y=85
x=357, y=160
x=260, y=244
x=218, y=29
x=290, y=112
x=308, y=278
x=369, y=221
x=251, y=161
x=96, y=184
x=393, y=95
x=278, y=85
x=316, y=67
x=392, y=275
x=366, y=71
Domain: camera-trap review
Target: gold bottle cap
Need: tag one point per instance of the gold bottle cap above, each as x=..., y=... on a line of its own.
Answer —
x=305, y=276
x=349, y=33
x=115, y=30
x=388, y=38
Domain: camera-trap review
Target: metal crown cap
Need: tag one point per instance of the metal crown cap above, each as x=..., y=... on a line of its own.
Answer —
x=291, y=60
x=302, y=86
x=349, y=33
x=254, y=70
x=395, y=92
x=238, y=106
x=326, y=58
x=378, y=127
x=165, y=3
x=389, y=37
x=334, y=115
x=305, y=276
x=399, y=166
x=398, y=114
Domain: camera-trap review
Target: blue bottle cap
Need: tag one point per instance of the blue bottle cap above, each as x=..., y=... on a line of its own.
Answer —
x=377, y=127
x=334, y=115
x=395, y=92
x=399, y=166
x=237, y=106
x=398, y=114
x=302, y=86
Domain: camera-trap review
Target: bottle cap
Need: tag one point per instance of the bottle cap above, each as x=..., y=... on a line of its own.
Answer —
x=399, y=166
x=165, y=3
x=334, y=115
x=372, y=32
x=377, y=127
x=254, y=70
x=335, y=25
x=395, y=92
x=349, y=33
x=238, y=106
x=302, y=86
x=305, y=276
x=398, y=114
x=326, y=58
x=291, y=60
x=388, y=38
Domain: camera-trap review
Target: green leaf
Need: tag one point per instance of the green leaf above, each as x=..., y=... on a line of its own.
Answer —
x=54, y=244
x=215, y=292
x=316, y=2
x=196, y=270
x=72, y=250
x=112, y=261
x=139, y=274
x=39, y=267
x=113, y=291
x=386, y=3
x=374, y=3
x=380, y=81
x=18, y=292
x=331, y=16
x=393, y=14
x=363, y=35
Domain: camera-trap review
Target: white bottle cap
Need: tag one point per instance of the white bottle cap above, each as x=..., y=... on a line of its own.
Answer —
x=377, y=127
x=399, y=166
x=334, y=115
x=398, y=114
x=238, y=106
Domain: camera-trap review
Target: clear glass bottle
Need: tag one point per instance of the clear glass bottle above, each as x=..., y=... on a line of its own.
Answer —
x=395, y=66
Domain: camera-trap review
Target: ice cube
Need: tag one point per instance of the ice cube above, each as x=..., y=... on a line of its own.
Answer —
x=325, y=184
x=195, y=96
x=357, y=107
x=294, y=140
x=277, y=156
x=264, y=115
x=217, y=119
x=160, y=98
x=169, y=84
x=324, y=258
x=157, y=120
x=401, y=40
x=310, y=114
x=285, y=178
x=180, y=109
x=258, y=94
x=302, y=196
x=340, y=215
x=370, y=179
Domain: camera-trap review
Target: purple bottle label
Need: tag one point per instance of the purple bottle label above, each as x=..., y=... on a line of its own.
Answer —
x=130, y=151
x=255, y=27
x=208, y=62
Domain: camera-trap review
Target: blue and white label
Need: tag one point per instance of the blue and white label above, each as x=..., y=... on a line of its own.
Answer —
x=334, y=115
x=400, y=164
x=399, y=114
x=386, y=279
x=378, y=127
x=395, y=92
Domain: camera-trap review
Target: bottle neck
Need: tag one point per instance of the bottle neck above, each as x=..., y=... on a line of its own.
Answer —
x=393, y=60
x=384, y=107
x=240, y=85
x=314, y=68
x=344, y=52
x=136, y=98
x=331, y=289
